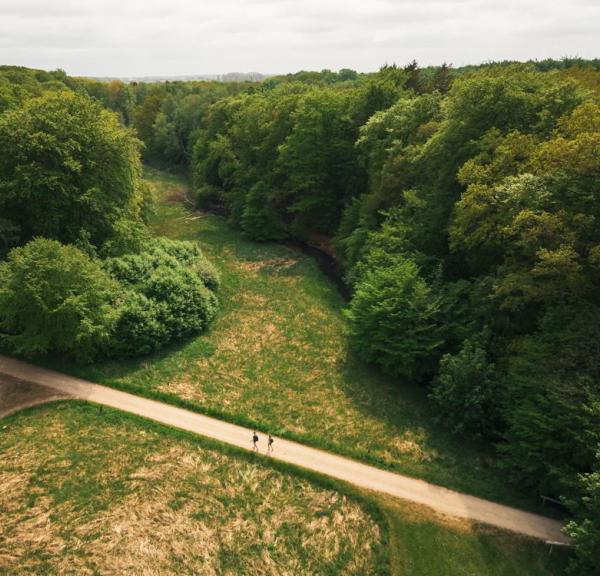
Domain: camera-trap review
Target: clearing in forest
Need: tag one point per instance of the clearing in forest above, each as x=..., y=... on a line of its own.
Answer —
x=277, y=357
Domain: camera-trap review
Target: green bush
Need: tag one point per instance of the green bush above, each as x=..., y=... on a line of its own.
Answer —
x=189, y=254
x=169, y=295
x=55, y=298
x=139, y=329
x=133, y=269
x=188, y=305
x=465, y=390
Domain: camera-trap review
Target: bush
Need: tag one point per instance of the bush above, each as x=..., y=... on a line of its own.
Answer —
x=394, y=320
x=139, y=329
x=163, y=252
x=55, y=298
x=188, y=305
x=189, y=254
x=170, y=295
x=465, y=391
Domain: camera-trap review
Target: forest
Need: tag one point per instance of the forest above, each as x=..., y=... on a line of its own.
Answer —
x=460, y=204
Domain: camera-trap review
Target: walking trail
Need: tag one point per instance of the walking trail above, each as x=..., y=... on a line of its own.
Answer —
x=439, y=499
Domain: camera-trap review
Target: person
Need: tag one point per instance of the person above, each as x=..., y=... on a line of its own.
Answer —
x=270, y=444
x=255, y=441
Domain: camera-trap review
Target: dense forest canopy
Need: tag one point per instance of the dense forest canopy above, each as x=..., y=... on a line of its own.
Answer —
x=462, y=204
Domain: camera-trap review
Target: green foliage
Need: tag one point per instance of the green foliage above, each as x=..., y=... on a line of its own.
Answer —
x=552, y=406
x=394, y=320
x=259, y=221
x=465, y=391
x=139, y=329
x=319, y=161
x=169, y=295
x=585, y=528
x=188, y=304
x=55, y=298
x=67, y=167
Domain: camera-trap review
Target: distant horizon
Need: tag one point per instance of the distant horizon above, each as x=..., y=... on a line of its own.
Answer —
x=265, y=75
x=133, y=38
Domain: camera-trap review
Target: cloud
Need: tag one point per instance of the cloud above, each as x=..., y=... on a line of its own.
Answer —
x=138, y=37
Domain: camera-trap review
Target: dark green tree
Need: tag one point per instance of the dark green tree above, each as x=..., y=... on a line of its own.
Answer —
x=55, y=298
x=68, y=168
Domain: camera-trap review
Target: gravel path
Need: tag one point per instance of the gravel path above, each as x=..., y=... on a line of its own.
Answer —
x=439, y=499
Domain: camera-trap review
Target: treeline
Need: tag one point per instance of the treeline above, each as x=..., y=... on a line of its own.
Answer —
x=463, y=206
x=80, y=273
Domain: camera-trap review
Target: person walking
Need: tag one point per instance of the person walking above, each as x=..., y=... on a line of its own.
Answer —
x=254, y=441
x=270, y=444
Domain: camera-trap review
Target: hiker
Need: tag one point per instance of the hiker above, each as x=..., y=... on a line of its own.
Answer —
x=270, y=444
x=254, y=441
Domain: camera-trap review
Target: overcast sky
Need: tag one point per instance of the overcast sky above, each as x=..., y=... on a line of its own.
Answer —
x=177, y=37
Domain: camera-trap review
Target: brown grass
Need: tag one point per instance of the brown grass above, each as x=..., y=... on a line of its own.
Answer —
x=161, y=506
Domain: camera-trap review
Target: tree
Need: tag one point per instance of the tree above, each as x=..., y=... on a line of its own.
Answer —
x=55, y=298
x=465, y=391
x=319, y=162
x=67, y=168
x=394, y=320
x=551, y=408
x=144, y=114
x=585, y=528
x=259, y=221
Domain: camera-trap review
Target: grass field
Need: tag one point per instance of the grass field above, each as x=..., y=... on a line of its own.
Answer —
x=87, y=490
x=277, y=358
x=90, y=492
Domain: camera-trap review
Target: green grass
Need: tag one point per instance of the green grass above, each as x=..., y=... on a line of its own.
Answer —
x=277, y=358
x=96, y=491
x=421, y=545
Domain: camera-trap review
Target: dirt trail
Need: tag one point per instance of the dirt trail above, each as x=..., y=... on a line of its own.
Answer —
x=16, y=395
x=439, y=499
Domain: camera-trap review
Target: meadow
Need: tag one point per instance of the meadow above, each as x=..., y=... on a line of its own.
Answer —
x=277, y=358
x=89, y=490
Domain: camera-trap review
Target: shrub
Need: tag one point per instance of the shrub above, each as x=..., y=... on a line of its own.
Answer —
x=188, y=305
x=170, y=295
x=163, y=252
x=139, y=329
x=55, y=298
x=465, y=390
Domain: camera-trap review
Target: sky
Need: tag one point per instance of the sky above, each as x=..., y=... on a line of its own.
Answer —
x=121, y=38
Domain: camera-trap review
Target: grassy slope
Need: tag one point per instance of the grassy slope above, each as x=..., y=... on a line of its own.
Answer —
x=277, y=358
x=87, y=490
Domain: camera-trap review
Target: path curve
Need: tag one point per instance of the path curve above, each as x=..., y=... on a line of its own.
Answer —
x=439, y=499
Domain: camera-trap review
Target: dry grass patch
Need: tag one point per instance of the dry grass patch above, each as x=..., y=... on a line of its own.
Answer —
x=90, y=492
